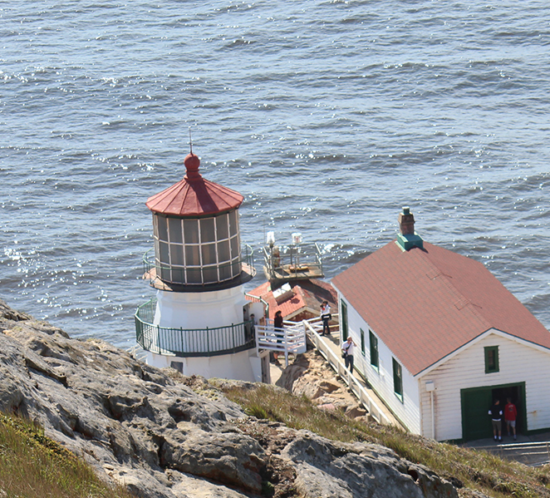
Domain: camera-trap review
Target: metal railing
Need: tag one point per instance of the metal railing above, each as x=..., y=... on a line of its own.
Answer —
x=306, y=255
x=260, y=300
x=190, y=342
x=200, y=275
x=312, y=328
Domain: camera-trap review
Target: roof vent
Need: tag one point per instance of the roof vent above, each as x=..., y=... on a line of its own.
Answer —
x=407, y=238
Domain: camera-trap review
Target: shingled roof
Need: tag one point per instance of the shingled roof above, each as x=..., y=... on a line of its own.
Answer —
x=427, y=302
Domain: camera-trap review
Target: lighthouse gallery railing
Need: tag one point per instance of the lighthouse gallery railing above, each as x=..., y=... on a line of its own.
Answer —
x=190, y=342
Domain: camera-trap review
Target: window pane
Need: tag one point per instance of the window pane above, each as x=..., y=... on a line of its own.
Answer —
x=397, y=378
x=175, y=230
x=225, y=272
x=207, y=230
x=209, y=254
x=191, y=231
x=233, y=222
x=164, y=258
x=163, y=230
x=222, y=226
x=235, y=253
x=194, y=276
x=178, y=274
x=176, y=255
x=192, y=256
x=223, y=251
x=236, y=267
x=373, y=342
x=491, y=359
x=210, y=274
x=155, y=226
x=165, y=273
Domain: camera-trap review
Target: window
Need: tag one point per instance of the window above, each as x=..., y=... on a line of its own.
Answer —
x=397, y=380
x=362, y=342
x=177, y=365
x=198, y=251
x=373, y=343
x=491, y=359
x=344, y=318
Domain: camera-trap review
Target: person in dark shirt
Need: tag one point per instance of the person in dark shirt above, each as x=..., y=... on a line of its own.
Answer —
x=496, y=417
x=279, y=328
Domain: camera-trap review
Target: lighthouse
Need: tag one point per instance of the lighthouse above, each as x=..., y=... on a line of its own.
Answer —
x=200, y=321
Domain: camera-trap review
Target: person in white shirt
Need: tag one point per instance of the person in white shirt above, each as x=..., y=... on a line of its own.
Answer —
x=325, y=316
x=349, y=348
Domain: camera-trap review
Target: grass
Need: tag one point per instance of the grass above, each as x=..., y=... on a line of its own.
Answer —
x=476, y=470
x=32, y=465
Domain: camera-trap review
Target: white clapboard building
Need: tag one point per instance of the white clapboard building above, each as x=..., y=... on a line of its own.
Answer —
x=439, y=338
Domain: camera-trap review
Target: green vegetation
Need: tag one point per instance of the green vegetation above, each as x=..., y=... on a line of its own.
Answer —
x=473, y=469
x=32, y=465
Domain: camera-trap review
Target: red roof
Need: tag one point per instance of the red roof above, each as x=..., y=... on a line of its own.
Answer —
x=194, y=196
x=426, y=303
x=306, y=294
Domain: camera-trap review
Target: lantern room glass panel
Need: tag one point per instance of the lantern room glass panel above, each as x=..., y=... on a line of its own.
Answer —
x=197, y=251
x=176, y=233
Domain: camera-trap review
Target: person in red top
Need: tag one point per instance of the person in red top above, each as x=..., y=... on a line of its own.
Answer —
x=510, y=415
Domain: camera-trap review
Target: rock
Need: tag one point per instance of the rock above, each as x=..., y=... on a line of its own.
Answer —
x=355, y=411
x=326, y=469
x=163, y=435
x=125, y=418
x=309, y=376
x=229, y=458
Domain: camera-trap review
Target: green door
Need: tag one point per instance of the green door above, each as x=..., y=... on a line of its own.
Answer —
x=475, y=405
x=476, y=423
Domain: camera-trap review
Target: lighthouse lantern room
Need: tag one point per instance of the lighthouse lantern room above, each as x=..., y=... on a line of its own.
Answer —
x=199, y=322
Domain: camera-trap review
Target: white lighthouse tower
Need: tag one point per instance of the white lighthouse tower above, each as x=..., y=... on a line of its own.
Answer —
x=199, y=322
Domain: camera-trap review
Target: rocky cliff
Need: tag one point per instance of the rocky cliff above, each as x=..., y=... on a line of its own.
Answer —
x=166, y=436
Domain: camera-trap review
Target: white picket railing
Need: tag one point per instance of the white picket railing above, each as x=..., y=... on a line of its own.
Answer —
x=312, y=328
x=290, y=339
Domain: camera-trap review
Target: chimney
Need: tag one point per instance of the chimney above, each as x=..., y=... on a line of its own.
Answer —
x=407, y=238
x=406, y=221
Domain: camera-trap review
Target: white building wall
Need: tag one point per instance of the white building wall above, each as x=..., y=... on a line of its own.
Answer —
x=245, y=365
x=517, y=363
x=381, y=380
x=198, y=310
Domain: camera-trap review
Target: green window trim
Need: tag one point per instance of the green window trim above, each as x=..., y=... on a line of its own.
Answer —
x=397, y=380
x=362, y=341
x=373, y=345
x=491, y=359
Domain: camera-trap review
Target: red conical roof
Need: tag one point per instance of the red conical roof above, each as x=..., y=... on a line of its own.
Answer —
x=194, y=196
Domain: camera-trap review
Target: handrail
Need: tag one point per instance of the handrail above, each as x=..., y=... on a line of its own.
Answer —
x=306, y=254
x=336, y=363
x=190, y=342
x=263, y=301
x=290, y=339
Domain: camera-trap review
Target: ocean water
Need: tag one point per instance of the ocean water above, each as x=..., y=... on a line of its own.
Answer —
x=328, y=116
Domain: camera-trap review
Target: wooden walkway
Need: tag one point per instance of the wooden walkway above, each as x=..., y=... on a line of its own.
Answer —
x=329, y=348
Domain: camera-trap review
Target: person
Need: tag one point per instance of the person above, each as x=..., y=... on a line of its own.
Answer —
x=279, y=327
x=496, y=417
x=349, y=348
x=510, y=415
x=325, y=316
